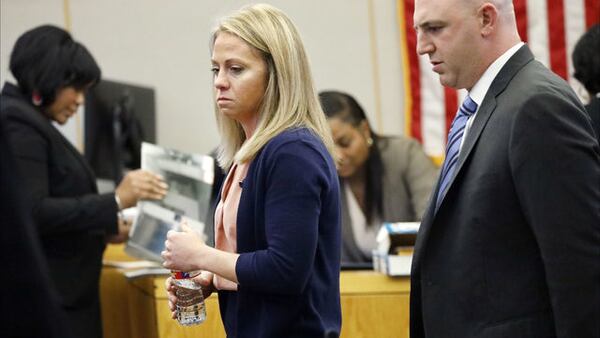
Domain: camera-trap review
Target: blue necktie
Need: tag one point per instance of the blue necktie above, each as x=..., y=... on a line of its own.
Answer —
x=457, y=130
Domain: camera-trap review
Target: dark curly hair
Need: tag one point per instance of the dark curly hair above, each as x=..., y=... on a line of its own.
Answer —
x=586, y=60
x=46, y=59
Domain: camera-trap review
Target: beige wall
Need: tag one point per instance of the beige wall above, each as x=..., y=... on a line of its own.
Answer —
x=165, y=45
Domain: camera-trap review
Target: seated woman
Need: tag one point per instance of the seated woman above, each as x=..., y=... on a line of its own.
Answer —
x=383, y=179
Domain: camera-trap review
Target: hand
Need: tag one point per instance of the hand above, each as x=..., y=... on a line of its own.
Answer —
x=140, y=184
x=205, y=279
x=171, y=296
x=123, y=234
x=184, y=250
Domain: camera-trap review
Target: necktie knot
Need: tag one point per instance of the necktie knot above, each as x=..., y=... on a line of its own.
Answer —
x=468, y=106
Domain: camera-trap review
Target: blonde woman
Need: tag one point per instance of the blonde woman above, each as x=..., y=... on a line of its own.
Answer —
x=276, y=259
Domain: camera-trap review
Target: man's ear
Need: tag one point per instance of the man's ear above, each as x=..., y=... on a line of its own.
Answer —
x=488, y=18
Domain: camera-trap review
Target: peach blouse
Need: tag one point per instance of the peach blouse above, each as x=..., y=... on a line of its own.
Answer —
x=226, y=218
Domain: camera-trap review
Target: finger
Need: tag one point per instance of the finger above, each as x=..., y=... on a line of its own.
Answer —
x=171, y=287
x=153, y=176
x=165, y=256
x=160, y=183
x=203, y=279
x=171, y=234
x=155, y=183
x=185, y=227
x=155, y=196
x=145, y=189
x=152, y=183
x=172, y=298
x=205, y=282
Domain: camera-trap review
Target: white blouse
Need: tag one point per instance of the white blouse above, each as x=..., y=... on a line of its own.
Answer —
x=364, y=236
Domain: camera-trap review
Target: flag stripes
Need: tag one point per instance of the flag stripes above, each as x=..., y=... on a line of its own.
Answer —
x=550, y=27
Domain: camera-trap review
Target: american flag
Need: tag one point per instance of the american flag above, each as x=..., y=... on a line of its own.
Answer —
x=551, y=28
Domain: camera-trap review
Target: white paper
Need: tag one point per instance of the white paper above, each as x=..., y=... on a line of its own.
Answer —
x=190, y=178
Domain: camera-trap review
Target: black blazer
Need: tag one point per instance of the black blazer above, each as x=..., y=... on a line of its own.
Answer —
x=72, y=218
x=25, y=270
x=514, y=248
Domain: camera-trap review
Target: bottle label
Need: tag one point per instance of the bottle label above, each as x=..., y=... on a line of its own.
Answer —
x=184, y=275
x=180, y=274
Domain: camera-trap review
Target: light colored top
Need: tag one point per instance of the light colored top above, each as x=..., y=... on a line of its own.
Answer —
x=408, y=178
x=364, y=235
x=480, y=88
x=226, y=218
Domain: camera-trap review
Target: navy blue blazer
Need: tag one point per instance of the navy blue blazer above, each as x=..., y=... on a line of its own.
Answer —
x=288, y=237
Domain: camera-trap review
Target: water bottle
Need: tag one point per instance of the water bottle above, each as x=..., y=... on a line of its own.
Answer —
x=190, y=308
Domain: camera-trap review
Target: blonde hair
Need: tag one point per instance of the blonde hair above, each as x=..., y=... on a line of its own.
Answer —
x=289, y=100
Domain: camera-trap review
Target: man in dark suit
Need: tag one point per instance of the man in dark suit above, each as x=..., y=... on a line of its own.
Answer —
x=510, y=245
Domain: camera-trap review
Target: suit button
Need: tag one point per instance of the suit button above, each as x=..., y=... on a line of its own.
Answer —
x=429, y=283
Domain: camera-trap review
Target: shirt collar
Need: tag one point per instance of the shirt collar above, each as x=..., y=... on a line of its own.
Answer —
x=480, y=88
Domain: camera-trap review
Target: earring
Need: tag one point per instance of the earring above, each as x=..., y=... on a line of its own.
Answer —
x=36, y=99
x=370, y=141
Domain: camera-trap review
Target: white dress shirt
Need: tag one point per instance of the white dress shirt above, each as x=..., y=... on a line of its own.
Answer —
x=482, y=86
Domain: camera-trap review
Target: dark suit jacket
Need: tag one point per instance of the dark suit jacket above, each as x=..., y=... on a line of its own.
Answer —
x=514, y=248
x=72, y=219
x=28, y=291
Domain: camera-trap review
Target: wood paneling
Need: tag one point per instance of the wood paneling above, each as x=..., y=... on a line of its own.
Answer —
x=373, y=305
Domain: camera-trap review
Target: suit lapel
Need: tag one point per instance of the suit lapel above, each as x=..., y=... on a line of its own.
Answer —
x=514, y=64
x=424, y=229
x=481, y=118
x=508, y=71
x=76, y=154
